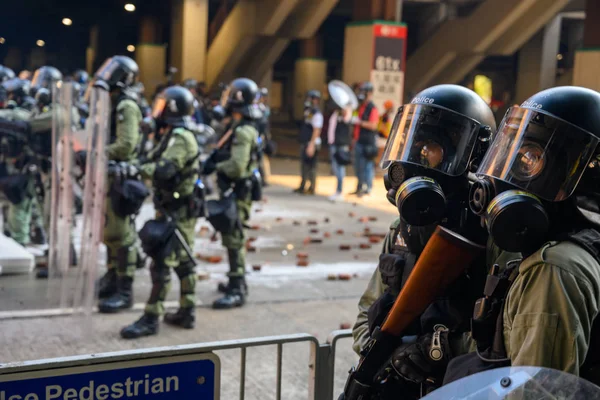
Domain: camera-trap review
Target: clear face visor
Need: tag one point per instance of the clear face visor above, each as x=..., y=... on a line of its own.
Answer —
x=538, y=153
x=431, y=137
x=158, y=107
x=107, y=69
x=41, y=79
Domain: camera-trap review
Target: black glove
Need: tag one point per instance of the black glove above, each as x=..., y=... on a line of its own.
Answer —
x=81, y=159
x=427, y=358
x=210, y=165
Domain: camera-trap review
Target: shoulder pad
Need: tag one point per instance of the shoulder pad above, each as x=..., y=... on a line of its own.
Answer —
x=246, y=132
x=567, y=256
x=127, y=104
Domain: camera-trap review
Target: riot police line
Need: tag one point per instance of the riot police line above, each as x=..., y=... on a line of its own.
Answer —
x=492, y=261
x=175, y=161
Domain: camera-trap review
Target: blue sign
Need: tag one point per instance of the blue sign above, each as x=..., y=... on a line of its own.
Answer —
x=180, y=377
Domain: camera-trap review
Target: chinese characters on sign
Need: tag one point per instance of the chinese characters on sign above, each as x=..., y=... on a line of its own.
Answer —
x=387, y=72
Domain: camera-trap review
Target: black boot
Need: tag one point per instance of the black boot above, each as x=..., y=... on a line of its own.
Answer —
x=224, y=288
x=147, y=325
x=107, y=285
x=39, y=236
x=234, y=297
x=184, y=317
x=121, y=300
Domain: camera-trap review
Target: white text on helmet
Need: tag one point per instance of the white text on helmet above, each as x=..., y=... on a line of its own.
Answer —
x=426, y=100
x=531, y=104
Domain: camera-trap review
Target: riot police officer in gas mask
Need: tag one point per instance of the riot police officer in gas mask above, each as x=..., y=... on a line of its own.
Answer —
x=435, y=141
x=538, y=197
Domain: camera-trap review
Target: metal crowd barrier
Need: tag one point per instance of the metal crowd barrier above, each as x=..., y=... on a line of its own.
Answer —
x=38, y=374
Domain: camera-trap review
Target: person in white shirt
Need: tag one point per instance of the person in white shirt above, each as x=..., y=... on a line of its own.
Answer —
x=339, y=138
x=310, y=142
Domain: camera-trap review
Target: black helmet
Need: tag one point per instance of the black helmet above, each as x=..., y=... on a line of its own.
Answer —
x=45, y=77
x=443, y=126
x=545, y=145
x=173, y=106
x=16, y=88
x=116, y=72
x=43, y=97
x=433, y=143
x=80, y=76
x=242, y=92
x=313, y=94
x=6, y=73
x=190, y=83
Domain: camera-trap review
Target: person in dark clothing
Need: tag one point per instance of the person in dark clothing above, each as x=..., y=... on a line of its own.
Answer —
x=310, y=138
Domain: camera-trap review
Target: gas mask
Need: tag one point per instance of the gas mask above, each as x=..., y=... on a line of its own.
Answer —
x=531, y=168
x=307, y=104
x=426, y=159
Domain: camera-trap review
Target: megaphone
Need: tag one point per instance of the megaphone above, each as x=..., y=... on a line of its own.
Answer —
x=342, y=95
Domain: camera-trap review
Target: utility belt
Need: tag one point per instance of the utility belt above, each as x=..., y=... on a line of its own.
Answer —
x=243, y=189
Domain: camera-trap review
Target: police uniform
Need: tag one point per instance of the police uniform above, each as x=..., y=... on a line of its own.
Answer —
x=540, y=307
x=427, y=180
x=116, y=76
x=182, y=151
x=173, y=167
x=313, y=119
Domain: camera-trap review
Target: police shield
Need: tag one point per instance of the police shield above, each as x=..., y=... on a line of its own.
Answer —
x=523, y=383
x=72, y=173
x=97, y=134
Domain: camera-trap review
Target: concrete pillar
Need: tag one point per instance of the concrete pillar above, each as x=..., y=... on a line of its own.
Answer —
x=189, y=30
x=537, y=61
x=92, y=49
x=151, y=54
x=310, y=72
x=585, y=72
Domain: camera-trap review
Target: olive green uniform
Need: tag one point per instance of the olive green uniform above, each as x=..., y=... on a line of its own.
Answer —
x=239, y=166
x=119, y=233
x=181, y=148
x=550, y=308
x=19, y=215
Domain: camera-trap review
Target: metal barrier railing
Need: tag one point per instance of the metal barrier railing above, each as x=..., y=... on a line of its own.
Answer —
x=321, y=366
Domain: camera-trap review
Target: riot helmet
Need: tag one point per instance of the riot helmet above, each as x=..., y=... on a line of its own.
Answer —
x=6, y=73
x=190, y=84
x=535, y=162
x=16, y=89
x=363, y=90
x=242, y=92
x=43, y=97
x=173, y=106
x=264, y=92
x=80, y=76
x=434, y=142
x=45, y=77
x=312, y=98
x=117, y=72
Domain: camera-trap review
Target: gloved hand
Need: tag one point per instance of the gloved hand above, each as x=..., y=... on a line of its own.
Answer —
x=210, y=165
x=355, y=120
x=81, y=159
x=426, y=358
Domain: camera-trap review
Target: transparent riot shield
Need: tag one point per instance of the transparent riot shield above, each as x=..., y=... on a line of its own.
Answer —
x=94, y=193
x=72, y=287
x=61, y=202
x=518, y=383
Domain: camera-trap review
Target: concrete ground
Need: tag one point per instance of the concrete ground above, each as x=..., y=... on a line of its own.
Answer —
x=284, y=298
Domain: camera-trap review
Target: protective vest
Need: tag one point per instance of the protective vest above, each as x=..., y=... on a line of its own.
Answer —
x=367, y=136
x=306, y=130
x=343, y=135
x=113, y=116
x=453, y=309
